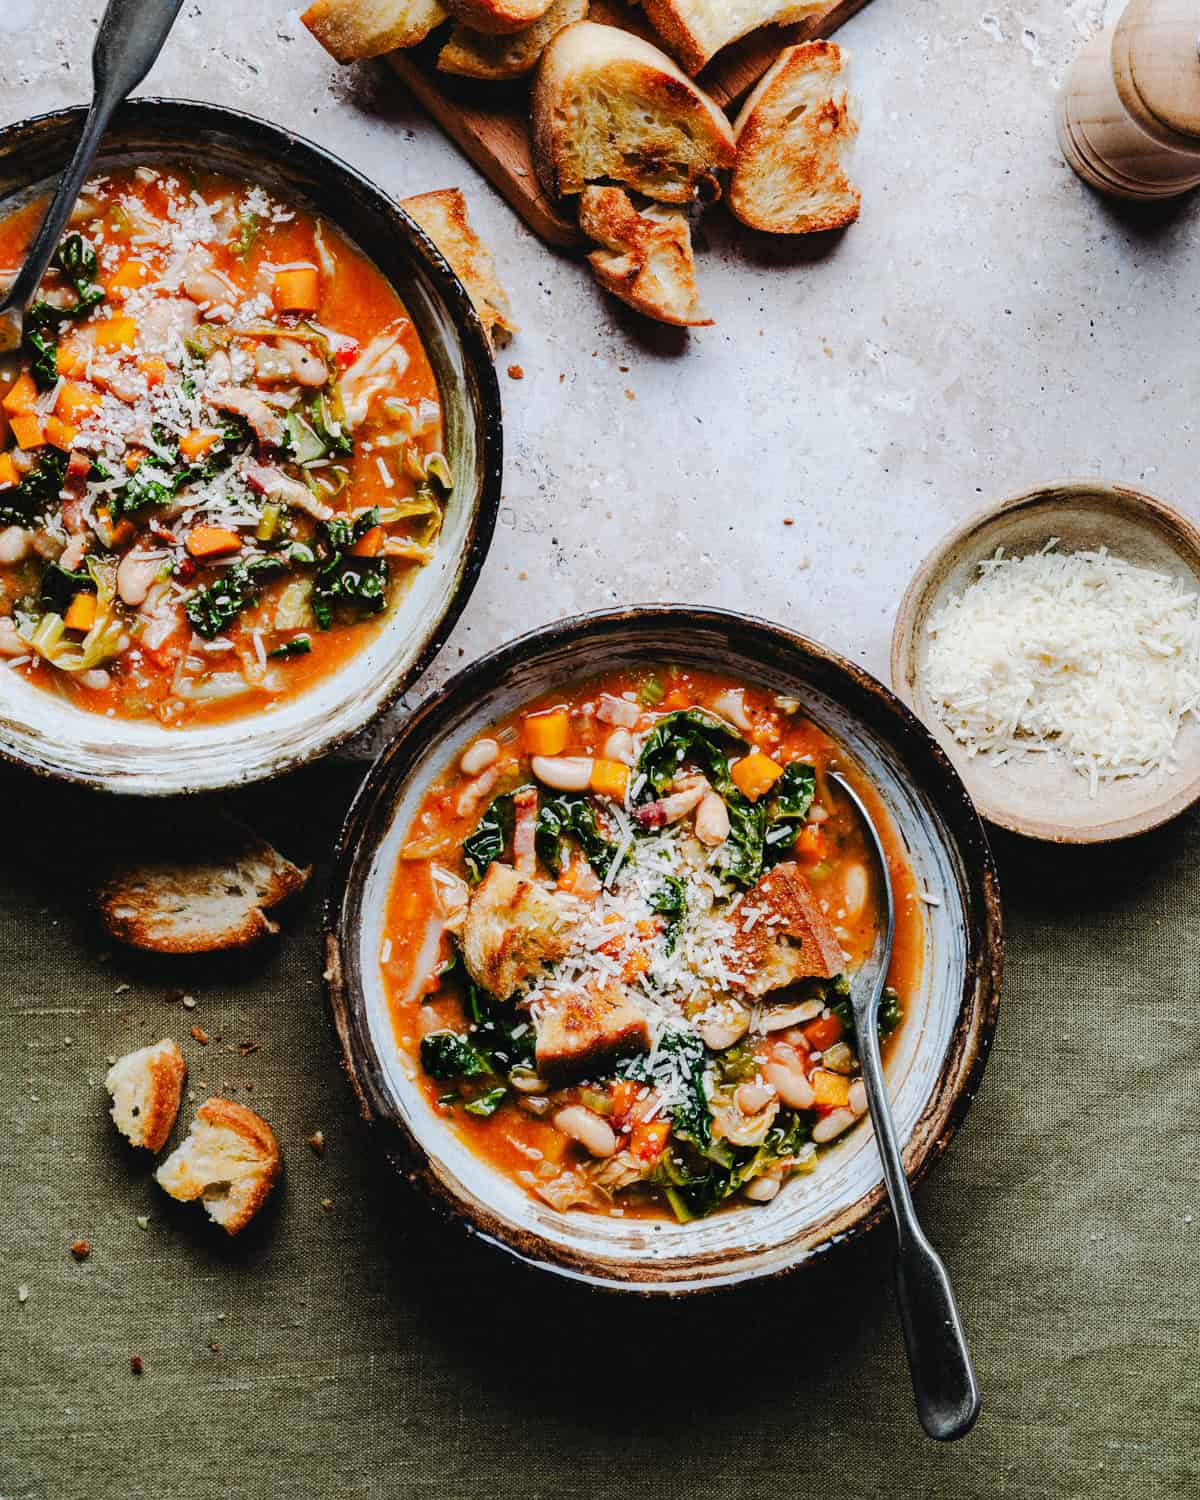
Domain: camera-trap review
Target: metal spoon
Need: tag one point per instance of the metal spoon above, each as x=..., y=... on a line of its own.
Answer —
x=131, y=36
x=943, y=1379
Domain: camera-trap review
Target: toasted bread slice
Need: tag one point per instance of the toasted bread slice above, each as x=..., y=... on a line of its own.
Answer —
x=792, y=135
x=350, y=29
x=146, y=1086
x=577, y=1032
x=497, y=17
x=471, y=54
x=514, y=928
x=783, y=935
x=608, y=106
x=209, y=895
x=647, y=256
x=696, y=30
x=230, y=1158
x=443, y=217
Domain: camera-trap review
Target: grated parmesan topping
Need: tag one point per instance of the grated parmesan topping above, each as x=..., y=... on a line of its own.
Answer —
x=1080, y=654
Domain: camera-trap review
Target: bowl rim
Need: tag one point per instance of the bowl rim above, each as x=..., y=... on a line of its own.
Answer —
x=976, y=1019
x=917, y=600
x=478, y=361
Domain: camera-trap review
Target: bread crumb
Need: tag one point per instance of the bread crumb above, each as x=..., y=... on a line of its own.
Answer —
x=629, y=395
x=189, y=1002
x=121, y=988
x=111, y=1059
x=135, y=1364
x=516, y=372
x=143, y=1221
x=327, y=975
x=68, y=1041
x=81, y=1249
x=317, y=1142
x=22, y=1293
x=326, y=1204
x=789, y=520
x=214, y=1346
x=200, y=1035
x=246, y=1048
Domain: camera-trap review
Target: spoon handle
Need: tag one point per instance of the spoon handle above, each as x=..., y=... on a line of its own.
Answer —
x=131, y=36
x=944, y=1385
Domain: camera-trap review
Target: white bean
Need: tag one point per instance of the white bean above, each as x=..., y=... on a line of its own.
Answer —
x=854, y=890
x=619, y=746
x=783, y=1016
x=858, y=1098
x=617, y=711
x=761, y=1189
x=135, y=574
x=712, y=820
x=15, y=542
x=731, y=705
x=478, y=757
x=753, y=1098
x=565, y=773
x=721, y=1028
x=475, y=791
x=790, y=1083
x=830, y=1126
x=593, y=1134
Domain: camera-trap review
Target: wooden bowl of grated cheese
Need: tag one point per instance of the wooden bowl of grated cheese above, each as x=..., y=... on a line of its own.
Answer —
x=1052, y=645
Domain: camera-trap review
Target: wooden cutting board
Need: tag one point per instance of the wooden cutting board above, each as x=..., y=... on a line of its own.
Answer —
x=490, y=122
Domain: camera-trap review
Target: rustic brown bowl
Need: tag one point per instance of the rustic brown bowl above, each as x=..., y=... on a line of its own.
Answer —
x=940, y=1052
x=48, y=734
x=1041, y=796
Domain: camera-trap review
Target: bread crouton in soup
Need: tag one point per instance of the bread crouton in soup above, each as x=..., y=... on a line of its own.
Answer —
x=230, y=1159
x=146, y=1087
x=787, y=938
x=514, y=928
x=579, y=1031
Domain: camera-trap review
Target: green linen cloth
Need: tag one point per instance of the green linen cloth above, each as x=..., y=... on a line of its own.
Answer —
x=350, y=1346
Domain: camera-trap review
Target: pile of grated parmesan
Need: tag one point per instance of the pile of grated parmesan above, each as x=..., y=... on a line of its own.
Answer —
x=1080, y=654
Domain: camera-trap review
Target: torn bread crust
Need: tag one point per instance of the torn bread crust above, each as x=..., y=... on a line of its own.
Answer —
x=217, y=900
x=497, y=17
x=610, y=106
x=146, y=1087
x=471, y=54
x=578, y=1031
x=515, y=927
x=696, y=30
x=443, y=216
x=353, y=29
x=792, y=135
x=783, y=935
x=230, y=1159
x=646, y=259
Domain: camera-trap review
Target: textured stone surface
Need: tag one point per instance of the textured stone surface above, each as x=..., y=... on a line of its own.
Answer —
x=988, y=324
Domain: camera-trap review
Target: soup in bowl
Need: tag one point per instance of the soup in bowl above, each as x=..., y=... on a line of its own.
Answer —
x=236, y=483
x=596, y=918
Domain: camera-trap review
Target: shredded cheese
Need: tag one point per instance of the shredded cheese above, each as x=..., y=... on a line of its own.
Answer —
x=1078, y=654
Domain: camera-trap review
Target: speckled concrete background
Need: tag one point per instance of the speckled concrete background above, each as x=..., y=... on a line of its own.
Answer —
x=988, y=324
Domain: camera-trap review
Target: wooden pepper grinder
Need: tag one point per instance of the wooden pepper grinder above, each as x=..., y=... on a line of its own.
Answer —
x=1129, y=112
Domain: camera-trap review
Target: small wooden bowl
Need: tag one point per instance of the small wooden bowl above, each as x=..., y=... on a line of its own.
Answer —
x=1041, y=796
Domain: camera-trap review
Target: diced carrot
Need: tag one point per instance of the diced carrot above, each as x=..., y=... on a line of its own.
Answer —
x=73, y=356
x=133, y=274
x=648, y=1138
x=195, y=444
x=134, y=458
x=296, y=291
x=81, y=612
x=8, y=471
x=21, y=396
x=370, y=544
x=678, y=697
x=114, y=333
x=546, y=734
x=59, y=433
x=154, y=369
x=112, y=536
x=27, y=429
x=212, y=541
x=610, y=778
x=755, y=774
x=830, y=1090
x=822, y=1032
x=624, y=1092
x=76, y=401
x=811, y=846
